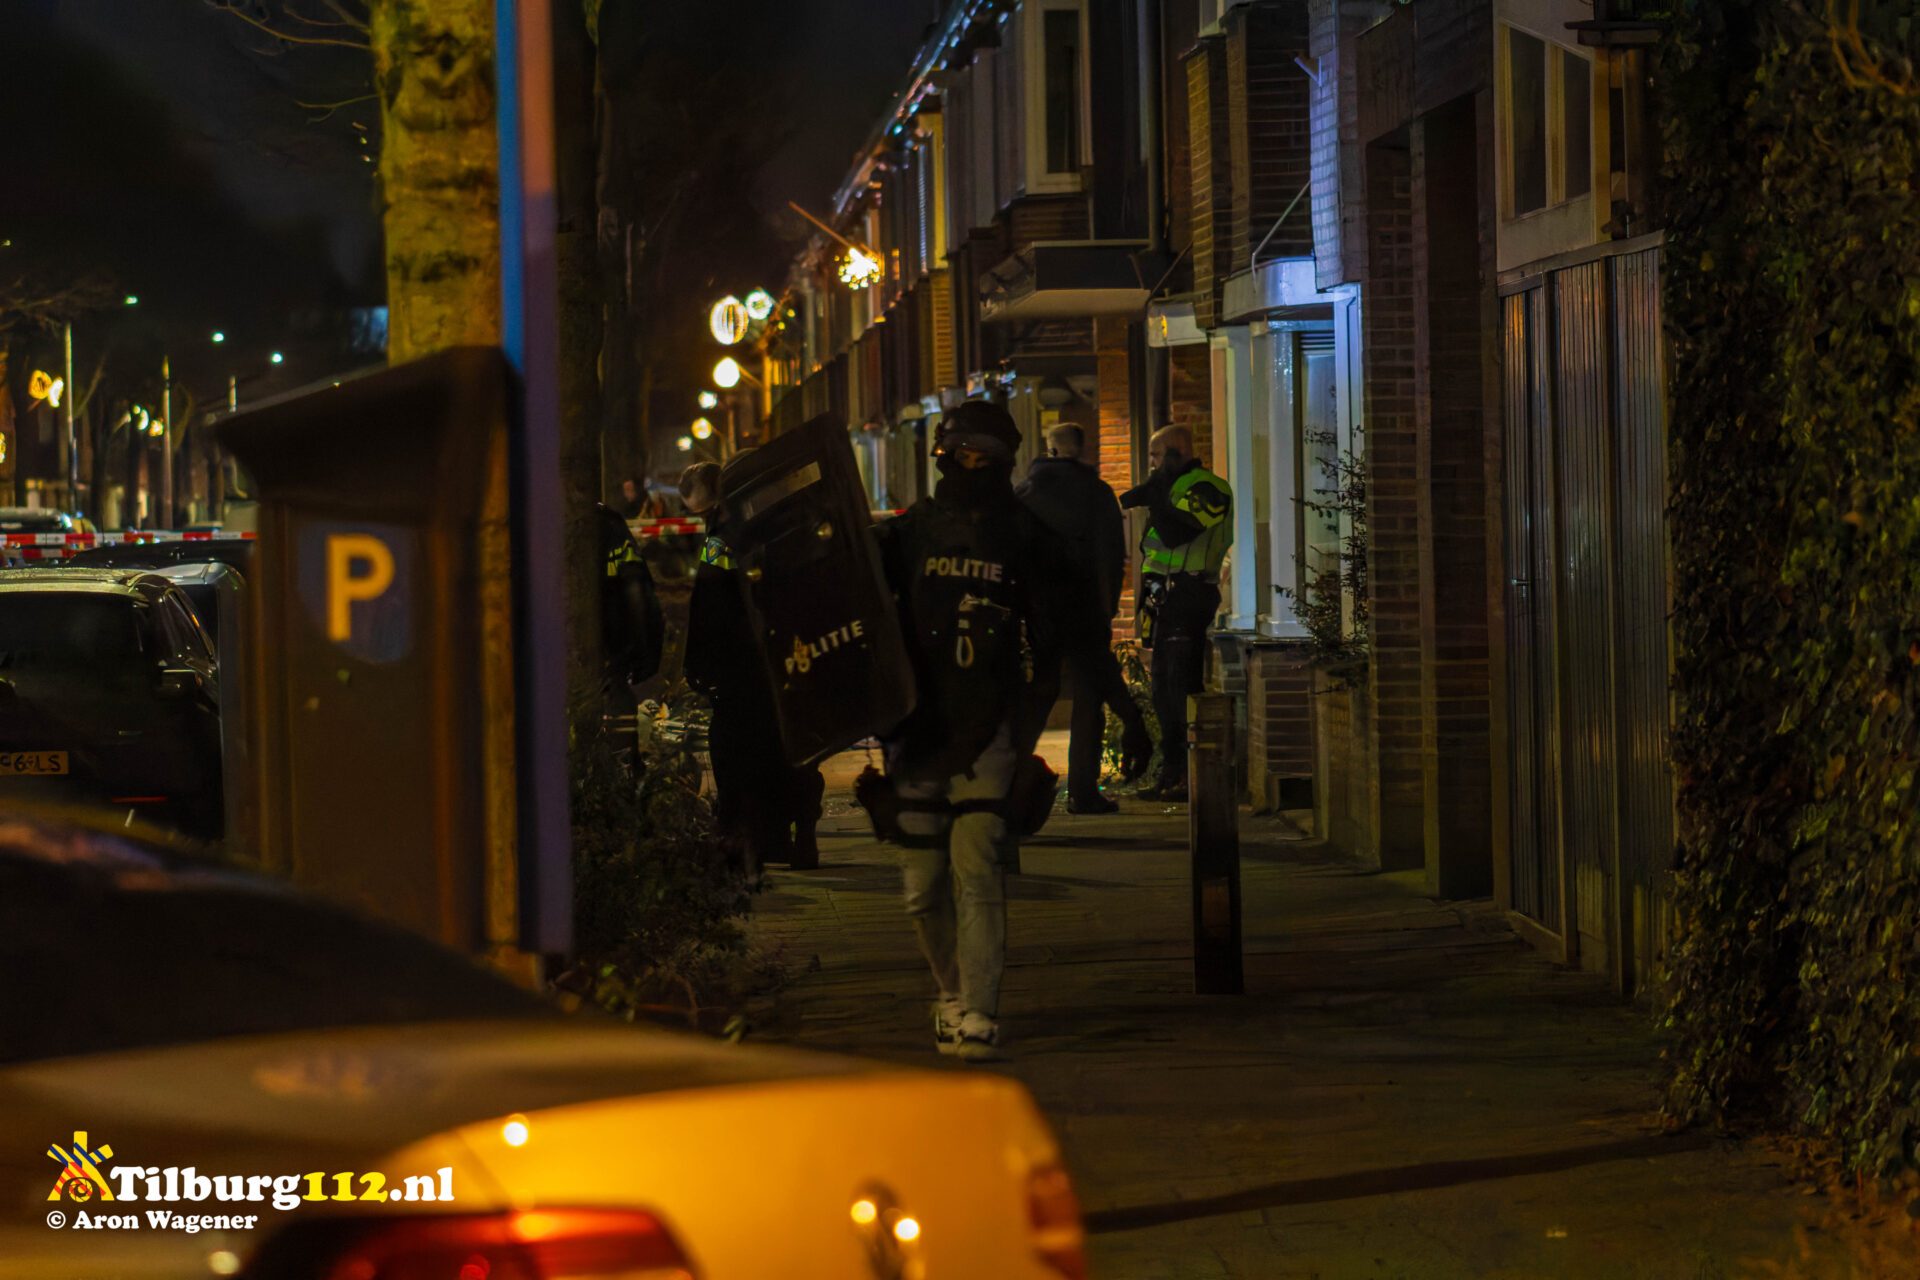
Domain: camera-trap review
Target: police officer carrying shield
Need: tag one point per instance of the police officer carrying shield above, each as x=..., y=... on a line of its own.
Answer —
x=1187, y=536
x=765, y=806
x=979, y=588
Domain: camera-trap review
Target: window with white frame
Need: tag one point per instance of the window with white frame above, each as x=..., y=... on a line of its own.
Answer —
x=1549, y=115
x=1054, y=35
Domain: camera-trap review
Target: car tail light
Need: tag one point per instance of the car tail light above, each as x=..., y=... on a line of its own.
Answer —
x=1054, y=1210
x=553, y=1244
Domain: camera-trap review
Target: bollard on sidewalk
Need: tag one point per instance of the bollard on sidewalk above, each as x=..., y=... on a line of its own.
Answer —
x=1213, y=839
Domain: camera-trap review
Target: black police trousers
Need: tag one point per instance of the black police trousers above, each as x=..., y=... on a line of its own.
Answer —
x=766, y=807
x=1180, y=665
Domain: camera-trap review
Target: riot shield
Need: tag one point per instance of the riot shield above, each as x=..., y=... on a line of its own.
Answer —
x=828, y=632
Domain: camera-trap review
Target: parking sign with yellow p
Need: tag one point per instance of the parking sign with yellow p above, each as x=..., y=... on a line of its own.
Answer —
x=355, y=581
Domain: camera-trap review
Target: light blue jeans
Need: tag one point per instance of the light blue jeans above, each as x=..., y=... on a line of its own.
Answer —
x=956, y=892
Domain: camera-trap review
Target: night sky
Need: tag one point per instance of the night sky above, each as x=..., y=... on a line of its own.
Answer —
x=153, y=138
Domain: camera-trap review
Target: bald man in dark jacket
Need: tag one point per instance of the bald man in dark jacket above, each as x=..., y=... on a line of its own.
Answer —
x=1071, y=499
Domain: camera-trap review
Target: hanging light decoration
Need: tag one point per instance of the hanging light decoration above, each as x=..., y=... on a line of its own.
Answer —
x=728, y=320
x=859, y=268
x=759, y=304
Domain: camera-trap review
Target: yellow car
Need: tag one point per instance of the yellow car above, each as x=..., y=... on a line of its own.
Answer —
x=203, y=1073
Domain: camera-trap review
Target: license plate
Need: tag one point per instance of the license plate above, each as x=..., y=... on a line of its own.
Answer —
x=32, y=763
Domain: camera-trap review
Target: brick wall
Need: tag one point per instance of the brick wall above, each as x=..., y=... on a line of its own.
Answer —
x=1212, y=164
x=1339, y=214
x=1034, y=218
x=1419, y=59
x=1190, y=396
x=1423, y=108
x=1453, y=278
x=1280, y=713
x=1343, y=807
x=1070, y=336
x=1383, y=58
x=976, y=346
x=1114, y=439
x=1454, y=54
x=1268, y=124
x=1393, y=508
x=1179, y=23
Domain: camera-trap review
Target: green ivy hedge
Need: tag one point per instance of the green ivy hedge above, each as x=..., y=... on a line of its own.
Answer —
x=1792, y=202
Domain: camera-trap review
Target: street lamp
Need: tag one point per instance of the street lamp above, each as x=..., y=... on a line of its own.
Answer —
x=727, y=374
x=277, y=358
x=708, y=400
x=684, y=444
x=759, y=304
x=702, y=428
x=218, y=336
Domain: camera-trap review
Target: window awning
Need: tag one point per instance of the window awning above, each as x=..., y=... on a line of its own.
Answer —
x=1279, y=289
x=1064, y=278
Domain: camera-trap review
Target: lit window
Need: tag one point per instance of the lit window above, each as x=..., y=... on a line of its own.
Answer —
x=1527, y=120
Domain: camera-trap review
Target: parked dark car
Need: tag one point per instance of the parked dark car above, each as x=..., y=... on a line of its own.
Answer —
x=109, y=694
x=235, y=553
x=218, y=596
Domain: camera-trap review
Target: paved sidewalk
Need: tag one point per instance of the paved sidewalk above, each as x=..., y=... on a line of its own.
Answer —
x=1405, y=1091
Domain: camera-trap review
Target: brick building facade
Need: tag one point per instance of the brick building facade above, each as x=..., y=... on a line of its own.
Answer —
x=1311, y=231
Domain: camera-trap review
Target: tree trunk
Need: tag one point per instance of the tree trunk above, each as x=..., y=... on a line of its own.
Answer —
x=439, y=173
x=577, y=262
x=620, y=418
x=440, y=178
x=99, y=459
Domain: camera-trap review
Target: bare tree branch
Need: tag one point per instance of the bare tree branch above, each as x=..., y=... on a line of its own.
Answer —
x=328, y=108
x=290, y=38
x=343, y=17
x=1859, y=66
x=83, y=395
x=47, y=304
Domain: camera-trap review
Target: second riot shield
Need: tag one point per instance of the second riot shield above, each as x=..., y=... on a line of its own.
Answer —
x=801, y=539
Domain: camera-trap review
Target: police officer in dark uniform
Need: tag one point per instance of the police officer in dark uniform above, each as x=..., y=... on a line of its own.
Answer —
x=1071, y=499
x=631, y=622
x=980, y=590
x=767, y=807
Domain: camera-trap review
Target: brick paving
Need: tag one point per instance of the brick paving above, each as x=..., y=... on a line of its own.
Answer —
x=1406, y=1090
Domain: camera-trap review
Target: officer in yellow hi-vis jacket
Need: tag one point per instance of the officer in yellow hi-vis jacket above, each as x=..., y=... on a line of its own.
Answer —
x=1189, y=528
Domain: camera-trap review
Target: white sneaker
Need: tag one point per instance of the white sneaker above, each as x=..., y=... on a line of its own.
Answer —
x=947, y=1015
x=979, y=1039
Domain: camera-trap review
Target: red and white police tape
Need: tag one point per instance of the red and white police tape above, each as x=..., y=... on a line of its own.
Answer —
x=59, y=546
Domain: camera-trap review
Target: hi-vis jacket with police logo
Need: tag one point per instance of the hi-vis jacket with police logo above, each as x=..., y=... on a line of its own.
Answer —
x=1188, y=525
